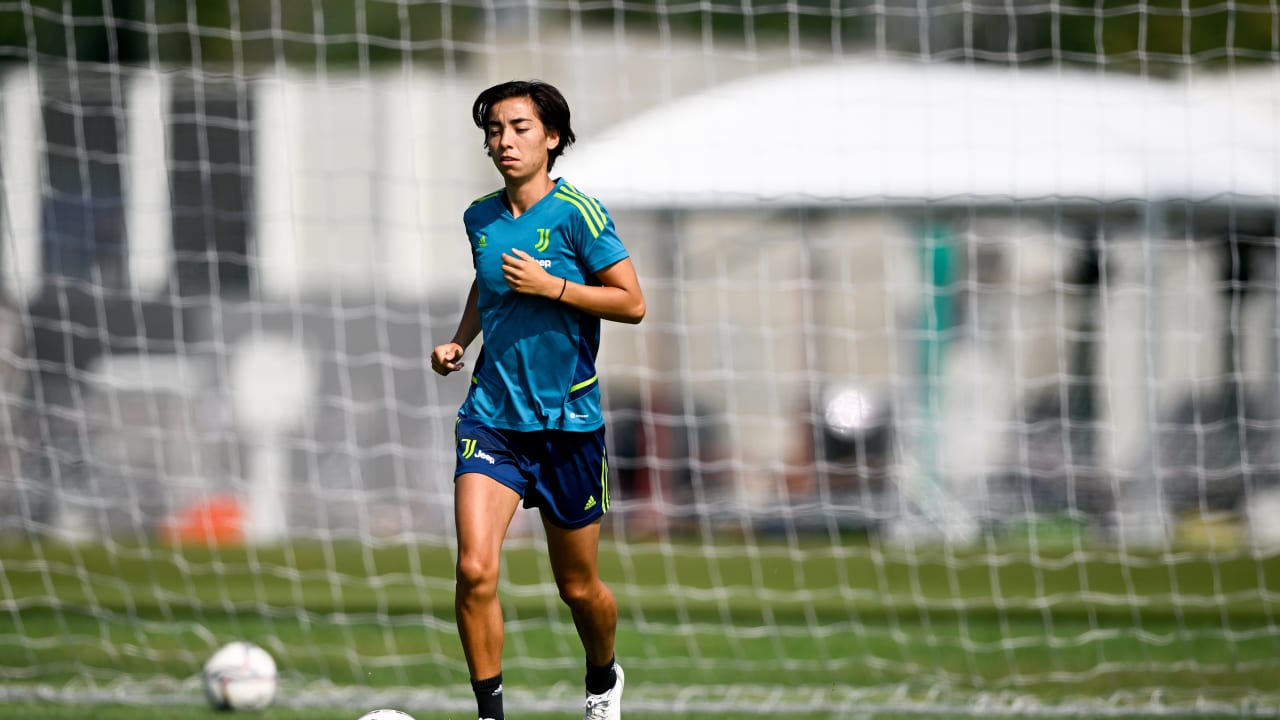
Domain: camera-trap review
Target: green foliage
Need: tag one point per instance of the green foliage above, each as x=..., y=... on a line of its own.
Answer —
x=1167, y=35
x=1155, y=36
x=736, y=24
x=233, y=34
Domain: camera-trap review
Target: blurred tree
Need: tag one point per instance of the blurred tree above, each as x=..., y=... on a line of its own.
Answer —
x=1155, y=36
x=234, y=33
x=1166, y=35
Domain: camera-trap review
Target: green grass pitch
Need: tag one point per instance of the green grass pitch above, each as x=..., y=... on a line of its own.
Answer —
x=1051, y=623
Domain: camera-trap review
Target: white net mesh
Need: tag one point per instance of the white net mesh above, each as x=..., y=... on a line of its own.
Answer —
x=958, y=388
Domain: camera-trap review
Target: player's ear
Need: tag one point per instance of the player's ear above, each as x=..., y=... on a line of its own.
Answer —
x=553, y=139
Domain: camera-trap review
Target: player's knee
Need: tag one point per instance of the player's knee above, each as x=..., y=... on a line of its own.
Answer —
x=576, y=593
x=477, y=576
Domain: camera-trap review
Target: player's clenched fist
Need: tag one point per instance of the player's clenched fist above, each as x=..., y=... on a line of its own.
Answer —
x=446, y=358
x=524, y=275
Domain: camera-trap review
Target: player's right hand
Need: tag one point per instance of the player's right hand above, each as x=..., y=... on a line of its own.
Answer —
x=446, y=358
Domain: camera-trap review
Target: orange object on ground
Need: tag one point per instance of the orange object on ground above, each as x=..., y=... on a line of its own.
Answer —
x=218, y=520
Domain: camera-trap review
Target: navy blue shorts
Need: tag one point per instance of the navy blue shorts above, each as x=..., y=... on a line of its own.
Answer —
x=563, y=474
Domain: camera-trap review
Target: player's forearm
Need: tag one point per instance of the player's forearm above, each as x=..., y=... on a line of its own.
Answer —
x=469, y=324
x=605, y=302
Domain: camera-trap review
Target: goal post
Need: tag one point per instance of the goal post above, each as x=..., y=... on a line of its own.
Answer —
x=957, y=393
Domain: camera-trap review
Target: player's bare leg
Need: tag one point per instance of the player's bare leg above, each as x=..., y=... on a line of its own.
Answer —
x=574, y=558
x=483, y=509
x=574, y=561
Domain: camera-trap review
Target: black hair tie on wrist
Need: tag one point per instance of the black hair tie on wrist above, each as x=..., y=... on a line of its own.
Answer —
x=562, y=289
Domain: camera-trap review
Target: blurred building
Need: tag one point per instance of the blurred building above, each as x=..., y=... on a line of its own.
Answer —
x=1060, y=283
x=1046, y=291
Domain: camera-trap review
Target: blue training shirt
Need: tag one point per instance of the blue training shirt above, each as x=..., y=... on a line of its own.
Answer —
x=537, y=366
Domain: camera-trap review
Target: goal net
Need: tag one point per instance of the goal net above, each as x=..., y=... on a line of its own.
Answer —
x=959, y=389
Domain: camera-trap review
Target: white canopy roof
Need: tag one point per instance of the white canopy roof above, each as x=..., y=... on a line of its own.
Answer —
x=881, y=133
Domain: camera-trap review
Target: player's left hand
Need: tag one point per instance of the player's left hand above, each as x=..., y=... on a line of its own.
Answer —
x=524, y=275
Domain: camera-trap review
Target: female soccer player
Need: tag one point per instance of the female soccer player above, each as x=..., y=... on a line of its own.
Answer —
x=548, y=267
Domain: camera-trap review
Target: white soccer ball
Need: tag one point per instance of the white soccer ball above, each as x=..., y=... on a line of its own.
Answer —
x=240, y=676
x=385, y=715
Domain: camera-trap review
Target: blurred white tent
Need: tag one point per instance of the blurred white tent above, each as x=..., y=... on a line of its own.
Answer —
x=882, y=133
x=1020, y=144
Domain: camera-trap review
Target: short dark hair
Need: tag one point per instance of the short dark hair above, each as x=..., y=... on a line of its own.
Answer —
x=553, y=109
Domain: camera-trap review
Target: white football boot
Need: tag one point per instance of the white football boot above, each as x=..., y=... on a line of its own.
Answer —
x=606, y=705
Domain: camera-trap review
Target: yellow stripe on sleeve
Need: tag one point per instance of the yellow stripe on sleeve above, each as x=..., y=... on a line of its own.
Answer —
x=592, y=205
x=482, y=198
x=586, y=214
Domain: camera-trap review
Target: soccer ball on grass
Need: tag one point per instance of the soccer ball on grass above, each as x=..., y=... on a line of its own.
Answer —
x=240, y=676
x=385, y=715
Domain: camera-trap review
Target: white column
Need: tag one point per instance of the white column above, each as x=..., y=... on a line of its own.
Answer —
x=21, y=148
x=148, y=212
x=431, y=167
x=275, y=239
x=272, y=382
x=401, y=184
